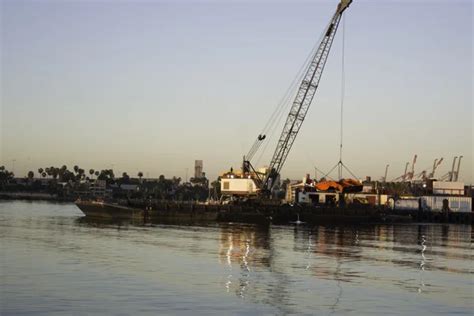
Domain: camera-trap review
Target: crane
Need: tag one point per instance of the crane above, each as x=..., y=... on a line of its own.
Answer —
x=411, y=174
x=436, y=164
x=424, y=175
x=303, y=99
x=386, y=172
x=456, y=175
x=299, y=108
x=404, y=177
x=449, y=176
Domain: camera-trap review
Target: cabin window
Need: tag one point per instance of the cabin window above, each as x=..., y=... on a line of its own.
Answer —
x=226, y=185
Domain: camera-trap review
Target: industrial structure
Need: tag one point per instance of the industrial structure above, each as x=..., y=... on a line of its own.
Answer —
x=411, y=190
x=250, y=181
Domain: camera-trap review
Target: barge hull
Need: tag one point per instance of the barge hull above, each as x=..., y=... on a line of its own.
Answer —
x=109, y=211
x=282, y=214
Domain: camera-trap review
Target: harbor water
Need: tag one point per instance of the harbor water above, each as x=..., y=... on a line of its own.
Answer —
x=53, y=261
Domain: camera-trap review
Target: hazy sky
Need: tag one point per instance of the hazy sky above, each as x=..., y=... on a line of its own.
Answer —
x=154, y=85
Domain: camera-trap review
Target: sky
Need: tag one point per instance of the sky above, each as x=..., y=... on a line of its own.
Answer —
x=153, y=85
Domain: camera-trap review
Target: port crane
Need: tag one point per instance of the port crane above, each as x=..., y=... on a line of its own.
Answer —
x=436, y=164
x=452, y=175
x=456, y=175
x=408, y=175
x=411, y=174
x=404, y=176
x=385, y=175
x=424, y=175
x=265, y=181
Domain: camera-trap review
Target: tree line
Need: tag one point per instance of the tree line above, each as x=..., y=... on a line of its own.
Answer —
x=48, y=179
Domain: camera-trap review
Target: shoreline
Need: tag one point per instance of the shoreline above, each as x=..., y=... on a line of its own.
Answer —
x=34, y=196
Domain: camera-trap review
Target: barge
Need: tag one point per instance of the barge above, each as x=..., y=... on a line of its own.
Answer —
x=104, y=210
x=182, y=212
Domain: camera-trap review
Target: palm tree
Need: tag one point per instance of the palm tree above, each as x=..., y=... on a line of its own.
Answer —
x=44, y=174
x=125, y=178
x=40, y=171
x=76, y=168
x=81, y=173
x=61, y=172
x=97, y=173
x=91, y=172
x=31, y=175
x=140, y=175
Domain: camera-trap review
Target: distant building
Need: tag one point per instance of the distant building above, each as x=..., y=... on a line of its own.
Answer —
x=198, y=169
x=98, y=188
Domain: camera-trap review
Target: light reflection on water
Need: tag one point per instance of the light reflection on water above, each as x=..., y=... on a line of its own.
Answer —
x=55, y=261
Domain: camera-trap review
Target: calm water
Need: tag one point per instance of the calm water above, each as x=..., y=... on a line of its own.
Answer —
x=54, y=262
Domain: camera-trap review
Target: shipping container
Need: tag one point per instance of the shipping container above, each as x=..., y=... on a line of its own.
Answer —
x=433, y=203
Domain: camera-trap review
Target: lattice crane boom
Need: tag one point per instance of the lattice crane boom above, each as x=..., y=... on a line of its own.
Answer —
x=304, y=96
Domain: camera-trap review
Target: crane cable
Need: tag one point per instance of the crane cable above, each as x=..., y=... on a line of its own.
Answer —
x=340, y=165
x=343, y=86
x=286, y=101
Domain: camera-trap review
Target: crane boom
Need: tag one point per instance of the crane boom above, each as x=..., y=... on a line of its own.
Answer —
x=404, y=177
x=386, y=171
x=435, y=167
x=451, y=174
x=456, y=175
x=304, y=96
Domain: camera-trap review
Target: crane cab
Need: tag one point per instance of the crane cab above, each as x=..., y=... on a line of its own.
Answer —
x=242, y=184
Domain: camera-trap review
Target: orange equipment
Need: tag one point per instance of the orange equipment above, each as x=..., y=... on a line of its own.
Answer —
x=343, y=185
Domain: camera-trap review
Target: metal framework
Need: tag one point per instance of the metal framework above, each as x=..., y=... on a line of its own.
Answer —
x=303, y=98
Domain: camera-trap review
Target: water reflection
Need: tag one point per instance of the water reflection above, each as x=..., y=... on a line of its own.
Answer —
x=422, y=262
x=246, y=247
x=331, y=269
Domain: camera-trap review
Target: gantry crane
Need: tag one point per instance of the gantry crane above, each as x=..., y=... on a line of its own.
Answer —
x=456, y=175
x=404, y=176
x=424, y=175
x=265, y=181
x=411, y=174
x=449, y=176
x=386, y=172
x=436, y=164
